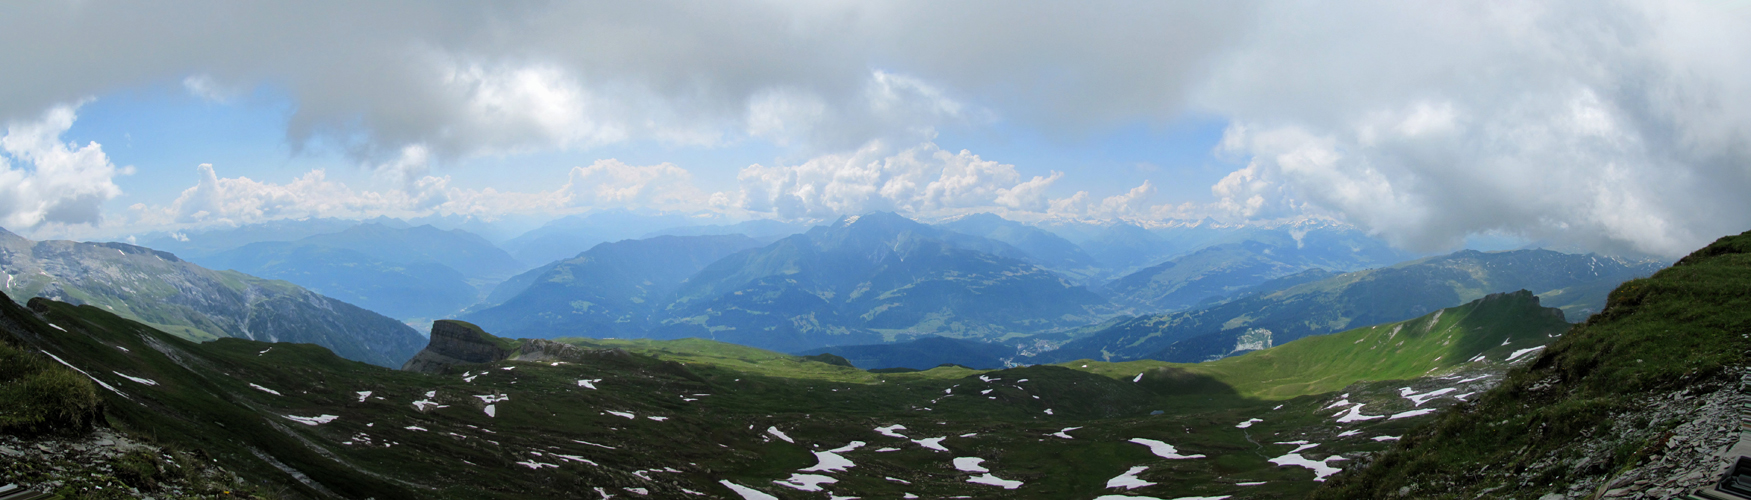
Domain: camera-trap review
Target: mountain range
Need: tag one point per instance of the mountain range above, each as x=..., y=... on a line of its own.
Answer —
x=611, y=290
x=177, y=296
x=411, y=272
x=476, y=415
x=872, y=278
x=1337, y=302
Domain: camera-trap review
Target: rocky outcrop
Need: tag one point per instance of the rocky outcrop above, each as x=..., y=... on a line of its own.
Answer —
x=460, y=342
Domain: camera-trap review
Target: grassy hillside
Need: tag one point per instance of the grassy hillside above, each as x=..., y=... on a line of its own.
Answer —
x=1481, y=334
x=1493, y=327
x=1604, y=402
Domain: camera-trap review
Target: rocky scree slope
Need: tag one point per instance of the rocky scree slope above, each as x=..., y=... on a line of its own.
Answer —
x=158, y=289
x=1647, y=399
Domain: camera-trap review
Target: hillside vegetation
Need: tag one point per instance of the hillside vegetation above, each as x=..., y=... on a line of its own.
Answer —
x=1600, y=406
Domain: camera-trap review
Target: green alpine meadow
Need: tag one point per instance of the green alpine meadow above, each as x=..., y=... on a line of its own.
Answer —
x=901, y=249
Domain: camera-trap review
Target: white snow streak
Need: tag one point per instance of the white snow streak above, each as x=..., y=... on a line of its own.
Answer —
x=316, y=420
x=139, y=380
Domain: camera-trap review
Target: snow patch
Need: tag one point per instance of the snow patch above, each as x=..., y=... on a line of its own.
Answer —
x=969, y=464
x=775, y=433
x=746, y=492
x=363, y=395
x=264, y=389
x=1523, y=352
x=316, y=420
x=1062, y=434
x=1162, y=450
x=589, y=383
x=889, y=431
x=1321, y=468
x=1386, y=438
x=1355, y=415
x=87, y=375
x=987, y=478
x=1412, y=413
x=1419, y=399
x=629, y=416
x=830, y=461
x=576, y=458
x=934, y=443
x=1129, y=479
x=805, y=482
x=1247, y=423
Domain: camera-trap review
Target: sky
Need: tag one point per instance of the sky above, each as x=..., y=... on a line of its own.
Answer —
x=1612, y=126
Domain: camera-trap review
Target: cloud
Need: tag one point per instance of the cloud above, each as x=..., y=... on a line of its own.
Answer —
x=55, y=182
x=613, y=184
x=470, y=79
x=1616, y=126
x=241, y=200
x=923, y=180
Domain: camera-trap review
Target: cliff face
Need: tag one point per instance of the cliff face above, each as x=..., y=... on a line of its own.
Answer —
x=460, y=342
x=456, y=342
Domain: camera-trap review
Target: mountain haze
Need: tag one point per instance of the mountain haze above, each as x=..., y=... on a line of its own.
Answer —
x=1364, y=297
x=871, y=278
x=196, y=303
x=609, y=291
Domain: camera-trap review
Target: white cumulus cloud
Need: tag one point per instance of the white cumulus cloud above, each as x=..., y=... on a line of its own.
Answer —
x=1615, y=126
x=44, y=181
x=923, y=180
